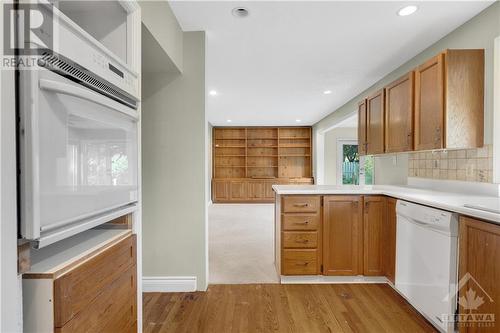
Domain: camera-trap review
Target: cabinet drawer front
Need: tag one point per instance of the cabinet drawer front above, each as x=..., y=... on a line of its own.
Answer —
x=299, y=239
x=300, y=222
x=114, y=310
x=300, y=262
x=75, y=290
x=301, y=204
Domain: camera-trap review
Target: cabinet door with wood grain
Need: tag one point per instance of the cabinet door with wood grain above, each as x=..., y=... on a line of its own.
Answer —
x=220, y=189
x=399, y=114
x=389, y=241
x=256, y=190
x=238, y=190
x=429, y=104
x=479, y=269
x=375, y=123
x=268, y=190
x=342, y=235
x=362, y=127
x=373, y=228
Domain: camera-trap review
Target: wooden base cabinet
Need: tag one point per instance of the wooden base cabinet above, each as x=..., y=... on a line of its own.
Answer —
x=249, y=190
x=97, y=292
x=374, y=215
x=342, y=235
x=300, y=235
x=479, y=269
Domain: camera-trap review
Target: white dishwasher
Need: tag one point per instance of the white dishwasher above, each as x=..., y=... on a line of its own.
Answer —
x=426, y=261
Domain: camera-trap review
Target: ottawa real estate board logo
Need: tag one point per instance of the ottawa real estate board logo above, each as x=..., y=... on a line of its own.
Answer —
x=473, y=301
x=28, y=32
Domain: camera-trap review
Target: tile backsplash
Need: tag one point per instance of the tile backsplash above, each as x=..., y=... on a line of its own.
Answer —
x=475, y=165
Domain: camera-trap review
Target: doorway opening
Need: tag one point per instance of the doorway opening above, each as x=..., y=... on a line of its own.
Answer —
x=353, y=169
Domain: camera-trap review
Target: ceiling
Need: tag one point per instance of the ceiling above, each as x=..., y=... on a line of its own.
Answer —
x=272, y=67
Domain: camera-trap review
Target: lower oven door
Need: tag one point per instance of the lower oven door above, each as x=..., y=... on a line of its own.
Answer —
x=78, y=157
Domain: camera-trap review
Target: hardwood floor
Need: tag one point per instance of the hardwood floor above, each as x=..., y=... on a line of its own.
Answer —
x=283, y=308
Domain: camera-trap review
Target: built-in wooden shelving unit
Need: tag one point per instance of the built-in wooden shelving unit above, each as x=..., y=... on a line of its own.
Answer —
x=278, y=155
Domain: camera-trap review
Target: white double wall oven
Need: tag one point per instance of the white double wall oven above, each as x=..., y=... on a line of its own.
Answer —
x=78, y=131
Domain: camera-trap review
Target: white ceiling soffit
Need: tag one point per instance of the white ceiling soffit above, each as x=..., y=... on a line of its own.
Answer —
x=350, y=122
x=273, y=66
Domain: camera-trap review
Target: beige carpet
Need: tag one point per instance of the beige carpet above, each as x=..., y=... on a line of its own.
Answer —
x=241, y=244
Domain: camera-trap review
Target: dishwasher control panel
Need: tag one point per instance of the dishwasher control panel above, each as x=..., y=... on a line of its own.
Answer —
x=428, y=216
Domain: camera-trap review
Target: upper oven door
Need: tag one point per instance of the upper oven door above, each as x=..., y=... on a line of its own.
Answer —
x=78, y=156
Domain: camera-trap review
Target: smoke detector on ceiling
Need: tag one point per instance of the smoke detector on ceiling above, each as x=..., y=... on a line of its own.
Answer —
x=240, y=12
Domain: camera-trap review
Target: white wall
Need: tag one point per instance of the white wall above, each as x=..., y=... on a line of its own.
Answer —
x=391, y=169
x=174, y=148
x=162, y=24
x=330, y=148
x=209, y=162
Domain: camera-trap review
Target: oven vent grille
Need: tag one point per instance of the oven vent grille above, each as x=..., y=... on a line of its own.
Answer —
x=75, y=72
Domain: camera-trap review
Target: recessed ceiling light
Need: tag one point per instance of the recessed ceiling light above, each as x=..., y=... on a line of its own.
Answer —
x=408, y=10
x=240, y=12
x=298, y=120
x=327, y=92
x=212, y=93
x=229, y=120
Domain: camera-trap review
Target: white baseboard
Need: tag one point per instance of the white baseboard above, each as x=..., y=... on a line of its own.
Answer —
x=168, y=284
x=320, y=279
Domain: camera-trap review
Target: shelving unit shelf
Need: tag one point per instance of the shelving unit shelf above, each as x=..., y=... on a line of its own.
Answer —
x=247, y=161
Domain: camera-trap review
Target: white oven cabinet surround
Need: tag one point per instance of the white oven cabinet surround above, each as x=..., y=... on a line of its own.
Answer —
x=481, y=195
x=131, y=66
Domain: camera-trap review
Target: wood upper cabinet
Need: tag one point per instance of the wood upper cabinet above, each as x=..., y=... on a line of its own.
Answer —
x=389, y=241
x=362, y=127
x=449, y=101
x=399, y=98
x=439, y=105
x=375, y=123
x=479, y=251
x=342, y=235
x=374, y=214
x=429, y=104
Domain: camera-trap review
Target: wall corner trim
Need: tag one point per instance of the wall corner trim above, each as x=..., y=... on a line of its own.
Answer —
x=166, y=284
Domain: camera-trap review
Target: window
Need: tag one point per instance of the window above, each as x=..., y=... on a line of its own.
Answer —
x=353, y=169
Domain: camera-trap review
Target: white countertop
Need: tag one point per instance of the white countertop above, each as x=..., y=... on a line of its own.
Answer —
x=57, y=256
x=450, y=201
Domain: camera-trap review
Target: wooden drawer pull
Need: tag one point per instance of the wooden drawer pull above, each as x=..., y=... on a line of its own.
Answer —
x=302, y=264
x=305, y=222
x=305, y=241
x=301, y=205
